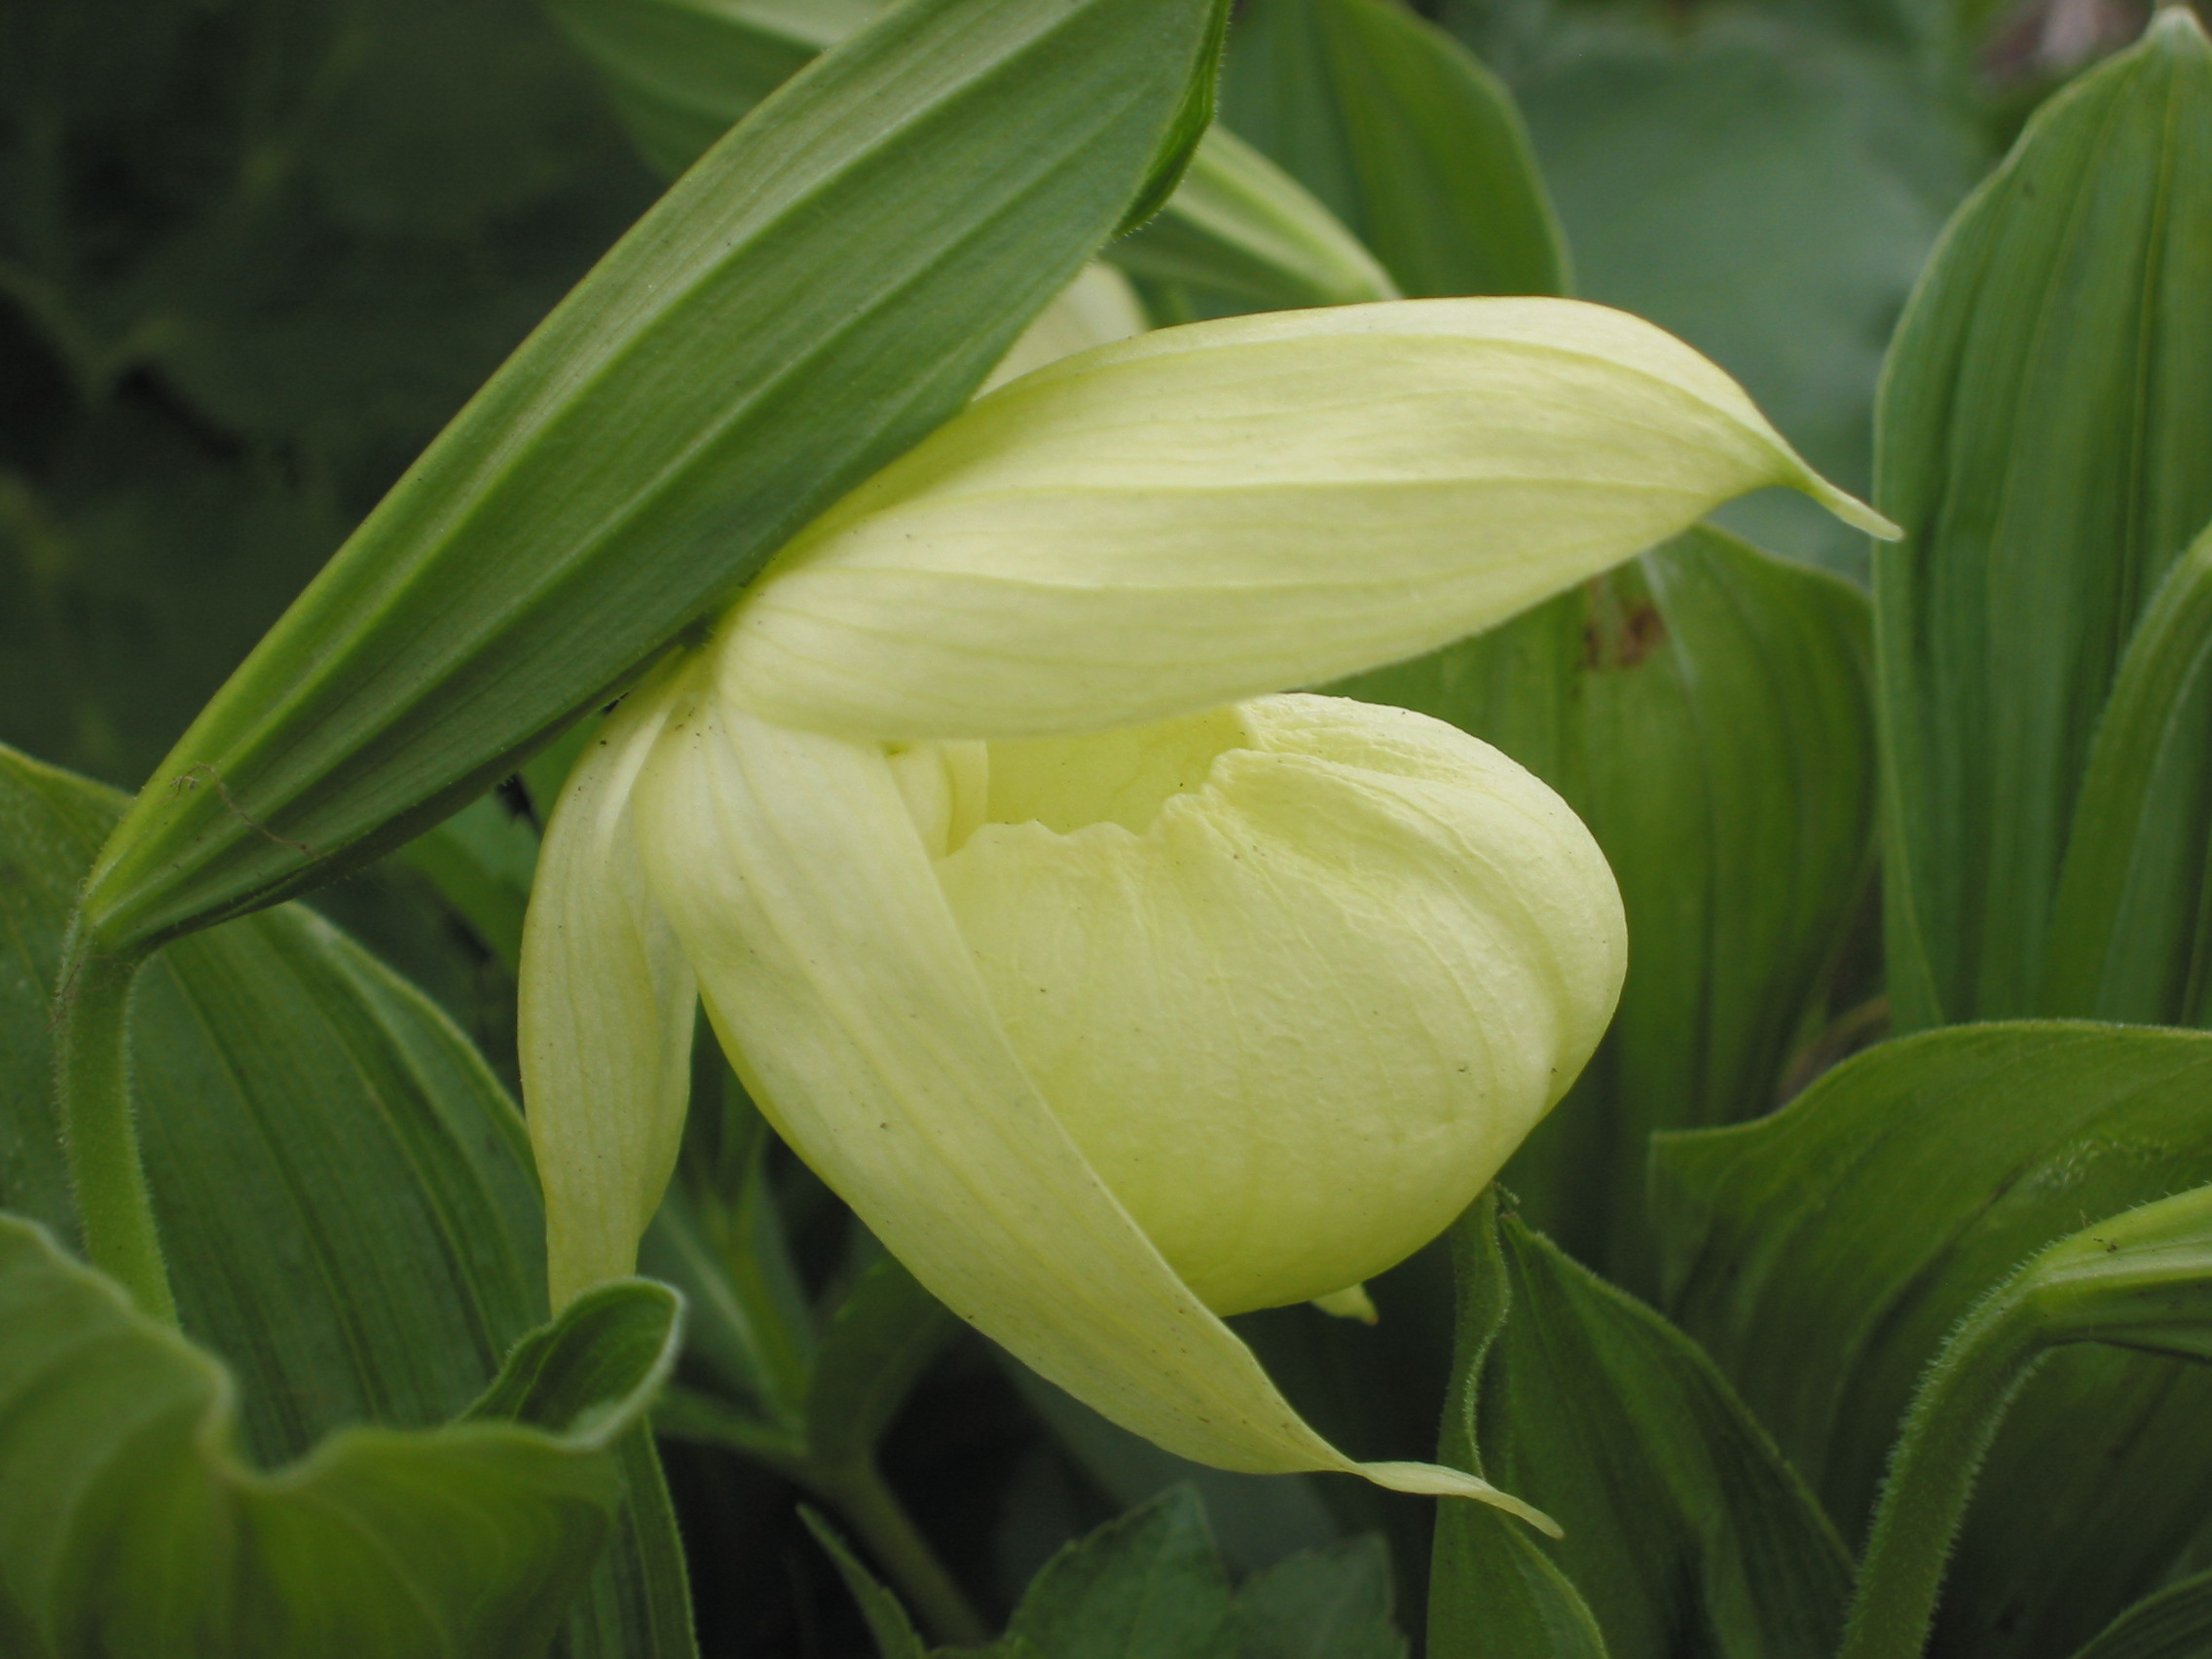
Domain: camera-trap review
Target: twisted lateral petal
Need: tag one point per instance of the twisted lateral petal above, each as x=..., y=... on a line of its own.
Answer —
x=1203, y=514
x=845, y=994
x=607, y=1011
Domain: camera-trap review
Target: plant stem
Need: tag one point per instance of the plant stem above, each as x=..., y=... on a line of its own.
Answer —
x=92, y=1079
x=1947, y=1433
x=865, y=1502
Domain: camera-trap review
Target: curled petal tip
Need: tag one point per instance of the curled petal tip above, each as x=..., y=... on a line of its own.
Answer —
x=1851, y=509
x=1434, y=1480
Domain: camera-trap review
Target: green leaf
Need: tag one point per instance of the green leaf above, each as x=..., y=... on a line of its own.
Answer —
x=1766, y=190
x=1242, y=228
x=1681, y=1516
x=879, y=1342
x=1257, y=1518
x=1404, y=137
x=2130, y=934
x=2174, y=1623
x=1824, y=1255
x=635, y=462
x=1237, y=226
x=2135, y=1281
x=681, y=73
x=1148, y=1586
x=1706, y=712
x=345, y=1191
x=2041, y=443
x=1492, y=1589
x=129, y=1525
x=1332, y=1603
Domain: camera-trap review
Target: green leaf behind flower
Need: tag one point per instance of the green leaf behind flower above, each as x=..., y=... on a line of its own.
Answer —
x=129, y=1525
x=1825, y=1254
x=345, y=1191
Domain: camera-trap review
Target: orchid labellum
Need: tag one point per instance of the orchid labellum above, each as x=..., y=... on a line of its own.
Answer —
x=1115, y=987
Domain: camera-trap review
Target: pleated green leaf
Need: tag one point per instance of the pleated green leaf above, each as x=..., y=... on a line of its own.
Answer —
x=1494, y=1591
x=726, y=372
x=1328, y=1604
x=2041, y=439
x=1825, y=1254
x=2131, y=930
x=1707, y=713
x=1680, y=1514
x=345, y=1191
x=1404, y=137
x=2174, y=1623
x=681, y=73
x=129, y=1525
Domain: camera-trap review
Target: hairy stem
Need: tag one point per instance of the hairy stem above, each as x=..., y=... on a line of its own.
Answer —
x=865, y=1502
x=92, y=1079
x=1948, y=1435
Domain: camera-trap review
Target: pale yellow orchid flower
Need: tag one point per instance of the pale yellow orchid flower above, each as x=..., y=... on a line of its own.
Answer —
x=1114, y=987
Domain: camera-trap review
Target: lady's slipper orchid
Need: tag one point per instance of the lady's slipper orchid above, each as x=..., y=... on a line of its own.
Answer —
x=1114, y=988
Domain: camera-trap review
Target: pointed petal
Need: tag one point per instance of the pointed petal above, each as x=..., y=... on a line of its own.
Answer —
x=606, y=1008
x=833, y=971
x=1204, y=514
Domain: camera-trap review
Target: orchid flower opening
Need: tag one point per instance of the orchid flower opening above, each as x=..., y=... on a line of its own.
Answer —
x=1115, y=984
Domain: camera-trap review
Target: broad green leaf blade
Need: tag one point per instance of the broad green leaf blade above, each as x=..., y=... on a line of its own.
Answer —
x=2174, y=1623
x=344, y=1191
x=2129, y=930
x=726, y=372
x=2042, y=441
x=1404, y=137
x=1707, y=713
x=1679, y=1513
x=129, y=1524
x=1495, y=1593
x=1148, y=1586
x=879, y=1342
x=1332, y=1603
x=681, y=73
x=1765, y=188
x=1825, y=1254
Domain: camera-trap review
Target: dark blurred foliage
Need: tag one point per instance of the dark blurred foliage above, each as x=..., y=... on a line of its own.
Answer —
x=254, y=252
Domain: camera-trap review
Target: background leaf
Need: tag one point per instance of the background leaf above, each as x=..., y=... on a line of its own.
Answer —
x=1332, y=1603
x=1706, y=712
x=344, y=1191
x=1767, y=187
x=251, y=257
x=1824, y=1255
x=2174, y=1623
x=1403, y=136
x=1685, y=1529
x=129, y=1526
x=2043, y=445
x=2129, y=930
